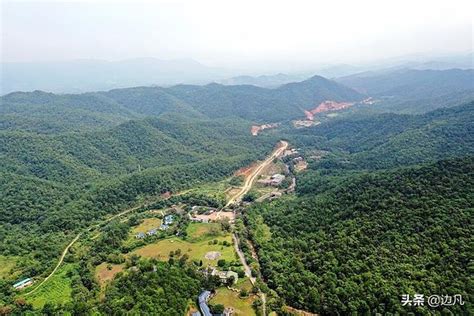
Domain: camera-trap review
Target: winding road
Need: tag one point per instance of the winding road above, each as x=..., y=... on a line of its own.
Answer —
x=61, y=259
x=282, y=146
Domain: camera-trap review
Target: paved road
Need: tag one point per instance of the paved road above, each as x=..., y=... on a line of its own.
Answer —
x=247, y=270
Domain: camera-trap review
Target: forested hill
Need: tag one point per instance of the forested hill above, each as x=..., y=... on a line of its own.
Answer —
x=358, y=246
x=363, y=141
x=50, y=113
x=52, y=185
x=414, y=91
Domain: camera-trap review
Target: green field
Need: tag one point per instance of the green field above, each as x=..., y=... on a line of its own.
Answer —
x=195, y=247
x=146, y=225
x=7, y=263
x=214, y=189
x=201, y=231
x=57, y=289
x=195, y=250
x=229, y=298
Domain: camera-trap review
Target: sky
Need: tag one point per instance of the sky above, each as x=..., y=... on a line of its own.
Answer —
x=234, y=32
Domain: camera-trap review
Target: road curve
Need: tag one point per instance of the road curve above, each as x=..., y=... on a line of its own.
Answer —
x=61, y=259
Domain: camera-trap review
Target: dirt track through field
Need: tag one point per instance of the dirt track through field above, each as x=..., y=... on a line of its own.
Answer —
x=61, y=259
x=245, y=188
x=254, y=174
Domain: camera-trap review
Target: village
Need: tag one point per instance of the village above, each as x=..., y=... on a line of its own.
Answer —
x=204, y=233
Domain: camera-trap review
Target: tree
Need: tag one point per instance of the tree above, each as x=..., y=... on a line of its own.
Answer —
x=217, y=308
x=243, y=293
x=249, y=197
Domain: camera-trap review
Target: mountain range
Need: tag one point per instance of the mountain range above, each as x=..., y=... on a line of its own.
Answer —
x=48, y=112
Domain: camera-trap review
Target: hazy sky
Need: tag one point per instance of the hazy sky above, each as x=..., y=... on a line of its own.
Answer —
x=234, y=32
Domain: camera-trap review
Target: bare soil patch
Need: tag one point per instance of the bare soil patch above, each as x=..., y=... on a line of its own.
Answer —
x=212, y=255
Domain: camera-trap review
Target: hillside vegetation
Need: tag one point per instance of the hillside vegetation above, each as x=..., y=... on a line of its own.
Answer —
x=50, y=113
x=362, y=243
x=414, y=91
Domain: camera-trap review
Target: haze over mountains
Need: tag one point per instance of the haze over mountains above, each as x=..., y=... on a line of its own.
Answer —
x=70, y=160
x=95, y=75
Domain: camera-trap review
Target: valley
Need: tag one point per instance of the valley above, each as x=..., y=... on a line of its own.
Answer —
x=203, y=239
x=180, y=190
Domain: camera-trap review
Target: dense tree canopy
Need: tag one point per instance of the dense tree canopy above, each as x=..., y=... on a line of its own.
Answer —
x=361, y=244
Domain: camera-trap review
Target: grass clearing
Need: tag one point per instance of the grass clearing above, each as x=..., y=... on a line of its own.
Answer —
x=215, y=190
x=57, y=289
x=199, y=231
x=195, y=250
x=7, y=263
x=104, y=275
x=244, y=284
x=146, y=225
x=229, y=298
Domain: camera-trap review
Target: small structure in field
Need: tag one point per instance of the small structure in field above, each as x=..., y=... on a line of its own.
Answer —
x=23, y=283
x=212, y=255
x=226, y=275
x=274, y=195
x=164, y=227
x=140, y=235
x=223, y=275
x=152, y=232
x=274, y=180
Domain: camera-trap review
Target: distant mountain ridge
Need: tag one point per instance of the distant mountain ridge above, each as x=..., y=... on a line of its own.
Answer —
x=48, y=112
x=95, y=75
x=414, y=91
x=264, y=81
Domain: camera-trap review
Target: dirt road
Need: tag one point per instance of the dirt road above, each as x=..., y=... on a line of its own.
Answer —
x=254, y=174
x=245, y=188
x=61, y=259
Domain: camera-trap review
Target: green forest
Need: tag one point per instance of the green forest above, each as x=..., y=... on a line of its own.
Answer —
x=383, y=209
x=361, y=243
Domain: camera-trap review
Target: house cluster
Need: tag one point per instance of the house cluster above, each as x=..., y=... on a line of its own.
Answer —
x=199, y=219
x=151, y=232
x=290, y=152
x=224, y=276
x=274, y=180
x=22, y=284
x=300, y=164
x=298, y=159
x=202, y=214
x=167, y=221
